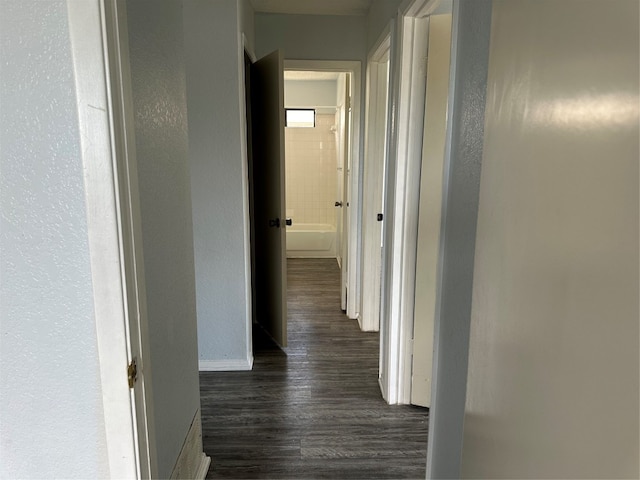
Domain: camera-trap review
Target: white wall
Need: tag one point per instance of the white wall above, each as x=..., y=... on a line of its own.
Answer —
x=160, y=107
x=217, y=151
x=310, y=93
x=51, y=399
x=553, y=362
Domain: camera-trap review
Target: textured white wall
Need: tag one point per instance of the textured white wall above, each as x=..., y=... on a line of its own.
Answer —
x=215, y=89
x=50, y=398
x=310, y=93
x=160, y=108
x=553, y=361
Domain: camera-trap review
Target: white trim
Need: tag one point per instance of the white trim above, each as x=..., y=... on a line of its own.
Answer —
x=357, y=158
x=99, y=49
x=203, y=468
x=376, y=122
x=244, y=154
x=192, y=462
x=225, y=365
x=403, y=194
x=383, y=387
x=247, y=48
x=131, y=225
x=418, y=8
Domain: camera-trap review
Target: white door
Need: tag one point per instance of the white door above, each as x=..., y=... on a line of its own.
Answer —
x=374, y=172
x=344, y=149
x=431, y=180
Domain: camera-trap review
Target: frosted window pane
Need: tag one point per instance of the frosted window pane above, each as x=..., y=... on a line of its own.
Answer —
x=300, y=118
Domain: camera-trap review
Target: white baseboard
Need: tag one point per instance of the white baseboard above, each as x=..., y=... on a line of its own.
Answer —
x=192, y=462
x=225, y=365
x=310, y=254
x=383, y=390
x=203, y=468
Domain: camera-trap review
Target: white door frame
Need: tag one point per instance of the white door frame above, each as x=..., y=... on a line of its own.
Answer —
x=376, y=128
x=343, y=122
x=355, y=160
x=101, y=66
x=407, y=97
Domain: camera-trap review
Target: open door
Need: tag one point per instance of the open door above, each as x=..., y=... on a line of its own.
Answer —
x=345, y=178
x=429, y=218
x=268, y=195
x=373, y=205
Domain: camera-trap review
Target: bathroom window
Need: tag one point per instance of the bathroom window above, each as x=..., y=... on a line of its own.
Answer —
x=300, y=117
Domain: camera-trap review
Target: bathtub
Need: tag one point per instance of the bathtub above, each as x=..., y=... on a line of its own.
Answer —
x=311, y=240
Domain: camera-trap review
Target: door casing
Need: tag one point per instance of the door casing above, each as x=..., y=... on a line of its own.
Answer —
x=101, y=66
x=376, y=155
x=354, y=195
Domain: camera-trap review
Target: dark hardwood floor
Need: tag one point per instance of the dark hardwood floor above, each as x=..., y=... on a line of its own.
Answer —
x=314, y=410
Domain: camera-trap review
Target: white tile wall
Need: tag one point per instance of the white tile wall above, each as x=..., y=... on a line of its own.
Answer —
x=311, y=172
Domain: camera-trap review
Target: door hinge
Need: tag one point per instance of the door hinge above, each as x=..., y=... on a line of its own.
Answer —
x=132, y=373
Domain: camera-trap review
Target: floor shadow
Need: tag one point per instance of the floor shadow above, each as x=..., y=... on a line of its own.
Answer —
x=264, y=344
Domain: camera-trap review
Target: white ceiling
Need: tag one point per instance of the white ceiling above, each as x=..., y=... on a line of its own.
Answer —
x=307, y=75
x=313, y=7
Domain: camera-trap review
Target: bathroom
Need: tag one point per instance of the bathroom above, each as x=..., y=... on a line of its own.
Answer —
x=314, y=146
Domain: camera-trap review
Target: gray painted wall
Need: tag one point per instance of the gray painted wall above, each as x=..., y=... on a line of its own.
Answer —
x=215, y=86
x=50, y=396
x=311, y=37
x=247, y=16
x=380, y=13
x=310, y=93
x=463, y=158
x=553, y=382
x=160, y=108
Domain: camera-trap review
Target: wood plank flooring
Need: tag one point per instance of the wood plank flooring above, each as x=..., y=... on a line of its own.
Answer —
x=314, y=410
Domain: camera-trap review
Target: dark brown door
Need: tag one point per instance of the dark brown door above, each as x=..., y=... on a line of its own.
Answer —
x=268, y=195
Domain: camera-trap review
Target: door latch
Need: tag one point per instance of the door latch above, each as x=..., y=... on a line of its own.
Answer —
x=380, y=217
x=132, y=373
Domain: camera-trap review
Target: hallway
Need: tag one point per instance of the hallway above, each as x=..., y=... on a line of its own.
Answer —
x=315, y=410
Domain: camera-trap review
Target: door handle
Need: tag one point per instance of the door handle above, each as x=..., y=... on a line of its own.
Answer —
x=289, y=222
x=274, y=223
x=338, y=204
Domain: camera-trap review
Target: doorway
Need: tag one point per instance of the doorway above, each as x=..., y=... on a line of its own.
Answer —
x=349, y=155
x=376, y=135
x=317, y=163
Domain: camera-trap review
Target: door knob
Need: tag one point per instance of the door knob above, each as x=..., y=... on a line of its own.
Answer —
x=274, y=223
x=338, y=204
